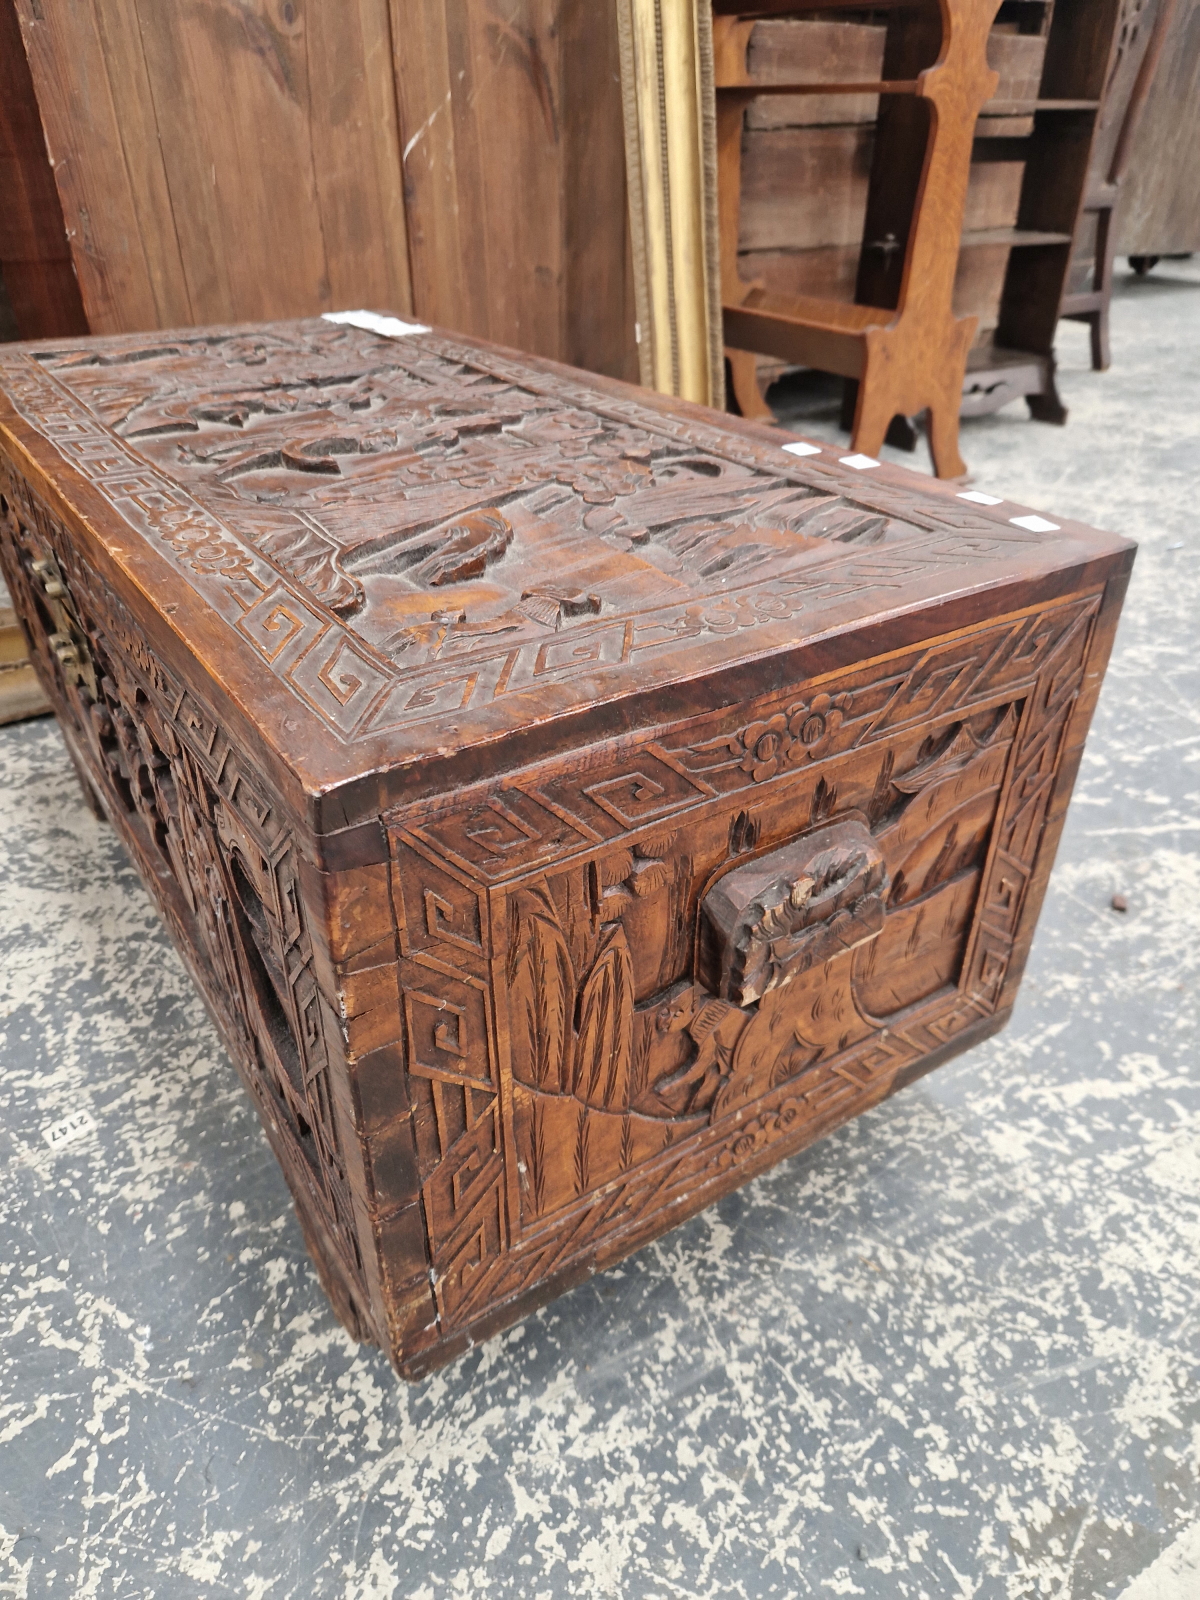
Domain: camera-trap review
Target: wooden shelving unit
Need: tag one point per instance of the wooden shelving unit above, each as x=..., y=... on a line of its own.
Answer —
x=1013, y=237
x=1141, y=36
x=1082, y=39
x=1043, y=117
x=900, y=343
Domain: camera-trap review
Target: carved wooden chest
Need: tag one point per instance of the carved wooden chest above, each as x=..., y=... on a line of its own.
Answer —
x=569, y=801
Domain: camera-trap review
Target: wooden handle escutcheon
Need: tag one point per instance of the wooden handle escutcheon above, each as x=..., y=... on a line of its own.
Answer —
x=776, y=917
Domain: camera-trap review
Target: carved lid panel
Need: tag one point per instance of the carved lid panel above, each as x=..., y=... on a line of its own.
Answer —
x=429, y=543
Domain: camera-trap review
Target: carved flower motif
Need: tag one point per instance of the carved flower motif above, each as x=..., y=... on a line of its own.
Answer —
x=752, y=1137
x=801, y=734
x=766, y=746
x=789, y=1111
x=812, y=726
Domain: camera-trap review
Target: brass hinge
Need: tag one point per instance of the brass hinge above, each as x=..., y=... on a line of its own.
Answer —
x=68, y=641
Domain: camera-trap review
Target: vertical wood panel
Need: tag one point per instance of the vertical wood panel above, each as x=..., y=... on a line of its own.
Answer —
x=598, y=289
x=514, y=174
x=1159, y=209
x=421, y=50
x=142, y=154
x=224, y=159
x=231, y=88
x=35, y=256
x=83, y=134
x=509, y=138
x=480, y=92
x=360, y=185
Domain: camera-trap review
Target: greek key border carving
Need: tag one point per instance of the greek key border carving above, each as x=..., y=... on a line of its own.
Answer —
x=355, y=690
x=1036, y=662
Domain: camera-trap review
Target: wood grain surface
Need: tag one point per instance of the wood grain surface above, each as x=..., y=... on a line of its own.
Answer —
x=221, y=160
x=35, y=257
x=1159, y=212
x=514, y=172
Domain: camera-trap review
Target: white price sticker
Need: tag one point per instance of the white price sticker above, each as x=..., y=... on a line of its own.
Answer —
x=79, y=1123
x=1034, y=524
x=372, y=322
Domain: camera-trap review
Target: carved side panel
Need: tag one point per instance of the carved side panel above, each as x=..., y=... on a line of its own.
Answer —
x=210, y=842
x=638, y=976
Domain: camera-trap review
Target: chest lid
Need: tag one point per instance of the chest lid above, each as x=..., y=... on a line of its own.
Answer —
x=394, y=553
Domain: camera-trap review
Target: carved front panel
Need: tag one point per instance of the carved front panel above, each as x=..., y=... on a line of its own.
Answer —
x=635, y=976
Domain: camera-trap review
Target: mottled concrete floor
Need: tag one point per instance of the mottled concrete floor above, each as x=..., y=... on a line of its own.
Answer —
x=952, y=1351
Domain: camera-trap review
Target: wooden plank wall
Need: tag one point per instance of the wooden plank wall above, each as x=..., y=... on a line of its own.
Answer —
x=1159, y=209
x=220, y=161
x=247, y=159
x=42, y=297
x=514, y=170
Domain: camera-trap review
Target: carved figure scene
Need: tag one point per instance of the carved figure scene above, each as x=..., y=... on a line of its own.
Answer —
x=438, y=506
x=678, y=979
x=700, y=945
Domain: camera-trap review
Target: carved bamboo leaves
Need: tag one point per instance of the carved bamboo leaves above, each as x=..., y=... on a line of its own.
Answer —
x=541, y=982
x=604, y=1049
x=572, y=1038
x=643, y=1005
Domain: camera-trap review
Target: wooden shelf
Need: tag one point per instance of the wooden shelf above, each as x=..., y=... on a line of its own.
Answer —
x=994, y=108
x=758, y=9
x=988, y=146
x=841, y=315
x=1026, y=108
x=1013, y=236
x=996, y=357
x=997, y=375
x=802, y=330
x=751, y=89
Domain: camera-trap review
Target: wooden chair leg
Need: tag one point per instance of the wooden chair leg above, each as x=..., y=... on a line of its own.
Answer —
x=902, y=431
x=942, y=422
x=1106, y=249
x=849, y=404
x=1047, y=406
x=872, y=417
x=743, y=382
x=1100, y=352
